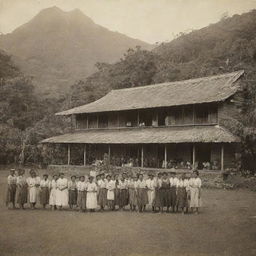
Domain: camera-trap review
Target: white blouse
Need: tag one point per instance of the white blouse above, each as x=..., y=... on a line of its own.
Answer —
x=122, y=184
x=45, y=183
x=54, y=184
x=62, y=183
x=195, y=182
x=81, y=186
x=140, y=184
x=91, y=187
x=101, y=183
x=11, y=179
x=151, y=184
x=111, y=185
x=174, y=181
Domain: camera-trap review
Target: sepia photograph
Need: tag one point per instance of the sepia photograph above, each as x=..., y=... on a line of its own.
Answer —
x=127, y=127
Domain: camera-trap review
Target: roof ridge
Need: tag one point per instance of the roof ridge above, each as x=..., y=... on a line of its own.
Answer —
x=238, y=74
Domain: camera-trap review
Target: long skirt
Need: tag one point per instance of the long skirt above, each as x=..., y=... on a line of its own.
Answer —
x=182, y=200
x=194, y=197
x=44, y=196
x=52, y=200
x=117, y=193
x=22, y=194
x=11, y=193
x=132, y=197
x=151, y=197
x=142, y=197
x=102, y=197
x=173, y=197
x=157, y=198
x=123, y=197
x=81, y=200
x=72, y=197
x=33, y=194
x=165, y=197
x=91, y=200
x=62, y=197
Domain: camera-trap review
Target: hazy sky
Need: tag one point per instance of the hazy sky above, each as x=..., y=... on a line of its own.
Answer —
x=149, y=20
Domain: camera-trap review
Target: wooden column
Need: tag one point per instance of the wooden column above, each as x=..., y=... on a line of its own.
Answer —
x=138, y=118
x=109, y=152
x=194, y=156
x=87, y=122
x=165, y=156
x=142, y=156
x=84, y=154
x=222, y=157
x=68, y=154
x=97, y=121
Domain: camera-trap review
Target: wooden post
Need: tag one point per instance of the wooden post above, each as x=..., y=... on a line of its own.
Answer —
x=68, y=154
x=193, y=114
x=142, y=156
x=222, y=157
x=165, y=156
x=97, y=121
x=138, y=118
x=109, y=152
x=194, y=156
x=87, y=122
x=84, y=154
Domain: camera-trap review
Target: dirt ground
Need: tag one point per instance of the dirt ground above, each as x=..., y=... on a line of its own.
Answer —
x=225, y=226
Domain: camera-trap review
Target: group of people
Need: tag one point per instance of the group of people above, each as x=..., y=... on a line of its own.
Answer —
x=164, y=192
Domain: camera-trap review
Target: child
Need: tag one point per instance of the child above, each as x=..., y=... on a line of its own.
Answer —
x=182, y=198
x=53, y=187
x=195, y=184
x=91, y=200
x=141, y=190
x=22, y=189
x=132, y=193
x=102, y=197
x=151, y=185
x=110, y=186
x=33, y=184
x=11, y=189
x=123, y=193
x=173, y=187
x=45, y=190
x=81, y=197
x=72, y=192
x=62, y=192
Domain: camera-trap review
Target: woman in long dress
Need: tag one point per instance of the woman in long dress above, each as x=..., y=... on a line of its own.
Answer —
x=141, y=190
x=102, y=197
x=151, y=186
x=123, y=193
x=133, y=202
x=22, y=189
x=72, y=192
x=91, y=197
x=53, y=188
x=81, y=197
x=173, y=191
x=182, y=197
x=110, y=186
x=157, y=191
x=165, y=193
x=45, y=185
x=33, y=187
x=11, y=189
x=62, y=192
x=195, y=184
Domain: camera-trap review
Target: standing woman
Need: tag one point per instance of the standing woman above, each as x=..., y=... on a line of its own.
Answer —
x=173, y=191
x=141, y=189
x=123, y=193
x=45, y=190
x=22, y=189
x=195, y=184
x=151, y=186
x=157, y=191
x=110, y=186
x=11, y=189
x=53, y=192
x=132, y=193
x=117, y=190
x=102, y=197
x=81, y=197
x=32, y=182
x=62, y=192
x=91, y=199
x=72, y=192
x=182, y=197
x=165, y=193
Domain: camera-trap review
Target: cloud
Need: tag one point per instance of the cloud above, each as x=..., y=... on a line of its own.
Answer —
x=149, y=20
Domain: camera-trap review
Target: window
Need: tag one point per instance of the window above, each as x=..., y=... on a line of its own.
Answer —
x=81, y=121
x=103, y=121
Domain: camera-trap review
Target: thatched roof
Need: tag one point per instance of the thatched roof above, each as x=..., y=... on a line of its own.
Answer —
x=205, y=134
x=193, y=91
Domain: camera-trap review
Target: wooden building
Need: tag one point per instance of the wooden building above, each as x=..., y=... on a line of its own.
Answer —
x=174, y=124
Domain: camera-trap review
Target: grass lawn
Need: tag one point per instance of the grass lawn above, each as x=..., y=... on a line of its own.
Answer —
x=226, y=226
